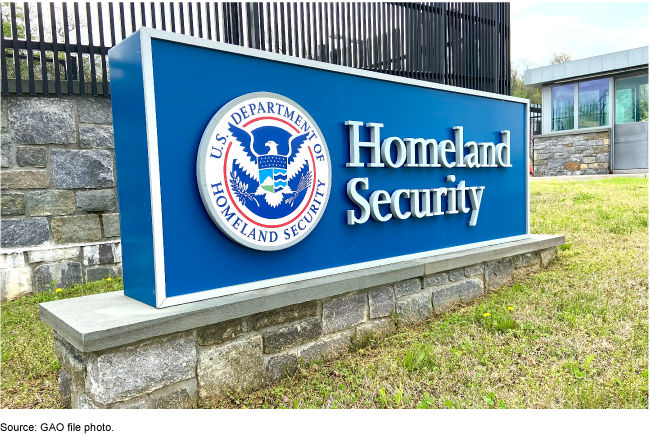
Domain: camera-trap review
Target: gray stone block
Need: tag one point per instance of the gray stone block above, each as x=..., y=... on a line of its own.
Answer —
x=96, y=137
x=3, y=116
x=476, y=269
x=76, y=229
x=73, y=169
x=281, y=366
x=101, y=273
x=42, y=120
x=51, y=202
x=71, y=360
x=111, y=222
x=62, y=274
x=15, y=283
x=220, y=332
x=517, y=261
x=602, y=157
x=326, y=349
x=408, y=287
x=101, y=254
x=177, y=396
x=94, y=110
x=344, y=311
x=437, y=279
x=284, y=315
x=444, y=298
x=97, y=200
x=31, y=157
x=381, y=301
x=25, y=179
x=13, y=259
x=5, y=151
x=80, y=400
x=547, y=256
x=456, y=274
x=498, y=273
x=414, y=308
x=53, y=255
x=123, y=373
x=530, y=259
x=65, y=389
x=375, y=328
x=233, y=367
x=13, y=204
x=24, y=232
x=285, y=337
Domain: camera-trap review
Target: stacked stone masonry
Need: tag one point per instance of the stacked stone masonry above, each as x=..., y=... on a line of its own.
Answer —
x=187, y=368
x=572, y=154
x=60, y=217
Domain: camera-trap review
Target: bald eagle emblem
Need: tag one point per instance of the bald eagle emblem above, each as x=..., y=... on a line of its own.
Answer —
x=272, y=158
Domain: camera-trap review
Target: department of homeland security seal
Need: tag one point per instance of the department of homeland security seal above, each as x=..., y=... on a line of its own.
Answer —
x=264, y=172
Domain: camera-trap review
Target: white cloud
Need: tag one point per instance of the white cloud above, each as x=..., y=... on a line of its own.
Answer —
x=519, y=6
x=536, y=36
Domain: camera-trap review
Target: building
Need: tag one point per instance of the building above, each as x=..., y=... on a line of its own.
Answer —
x=594, y=115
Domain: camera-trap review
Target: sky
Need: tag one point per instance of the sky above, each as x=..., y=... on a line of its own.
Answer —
x=581, y=29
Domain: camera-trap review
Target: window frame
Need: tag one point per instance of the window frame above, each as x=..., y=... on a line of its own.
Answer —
x=613, y=83
x=547, y=104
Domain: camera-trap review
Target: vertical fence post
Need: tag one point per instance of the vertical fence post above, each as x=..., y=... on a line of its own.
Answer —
x=464, y=44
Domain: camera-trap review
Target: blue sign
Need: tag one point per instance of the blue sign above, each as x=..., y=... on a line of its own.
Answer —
x=263, y=169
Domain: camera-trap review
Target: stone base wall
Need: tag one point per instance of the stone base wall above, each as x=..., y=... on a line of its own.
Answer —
x=572, y=154
x=185, y=368
x=59, y=198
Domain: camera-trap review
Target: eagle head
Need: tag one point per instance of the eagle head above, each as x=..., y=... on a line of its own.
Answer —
x=273, y=147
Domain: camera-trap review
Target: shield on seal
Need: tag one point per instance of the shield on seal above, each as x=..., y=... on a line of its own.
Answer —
x=273, y=172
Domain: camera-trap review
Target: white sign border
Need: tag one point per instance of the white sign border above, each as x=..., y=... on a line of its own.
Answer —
x=146, y=34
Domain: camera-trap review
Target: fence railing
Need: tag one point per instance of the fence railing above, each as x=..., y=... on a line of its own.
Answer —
x=61, y=48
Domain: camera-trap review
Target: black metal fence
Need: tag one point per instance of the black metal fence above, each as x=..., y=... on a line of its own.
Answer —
x=61, y=48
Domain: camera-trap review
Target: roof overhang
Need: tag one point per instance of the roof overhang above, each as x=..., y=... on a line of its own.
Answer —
x=631, y=61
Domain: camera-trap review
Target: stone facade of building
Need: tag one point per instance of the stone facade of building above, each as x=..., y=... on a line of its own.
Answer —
x=190, y=367
x=60, y=220
x=579, y=153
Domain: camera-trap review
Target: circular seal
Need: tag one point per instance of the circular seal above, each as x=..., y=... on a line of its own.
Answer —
x=264, y=171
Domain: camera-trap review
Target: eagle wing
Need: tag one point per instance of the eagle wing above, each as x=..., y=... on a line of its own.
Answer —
x=243, y=151
x=298, y=156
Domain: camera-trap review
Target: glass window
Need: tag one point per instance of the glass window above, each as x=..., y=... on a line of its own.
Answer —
x=562, y=108
x=593, y=103
x=632, y=100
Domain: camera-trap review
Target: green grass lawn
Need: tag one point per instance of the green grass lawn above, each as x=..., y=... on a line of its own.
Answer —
x=573, y=336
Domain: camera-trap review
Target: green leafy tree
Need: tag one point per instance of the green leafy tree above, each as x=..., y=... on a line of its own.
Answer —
x=517, y=87
x=6, y=21
x=560, y=58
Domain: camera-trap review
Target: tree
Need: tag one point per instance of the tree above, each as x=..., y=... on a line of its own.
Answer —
x=560, y=58
x=518, y=89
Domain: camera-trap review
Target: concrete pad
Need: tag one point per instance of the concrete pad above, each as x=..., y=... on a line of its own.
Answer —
x=101, y=321
x=489, y=253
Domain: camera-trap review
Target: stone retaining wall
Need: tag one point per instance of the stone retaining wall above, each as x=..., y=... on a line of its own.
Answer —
x=60, y=218
x=183, y=369
x=572, y=154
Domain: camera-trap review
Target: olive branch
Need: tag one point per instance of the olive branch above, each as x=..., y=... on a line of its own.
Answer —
x=240, y=189
x=305, y=180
